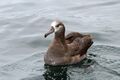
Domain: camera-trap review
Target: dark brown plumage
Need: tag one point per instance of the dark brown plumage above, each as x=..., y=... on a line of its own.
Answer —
x=66, y=50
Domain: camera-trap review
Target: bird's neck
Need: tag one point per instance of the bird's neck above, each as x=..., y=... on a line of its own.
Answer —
x=60, y=37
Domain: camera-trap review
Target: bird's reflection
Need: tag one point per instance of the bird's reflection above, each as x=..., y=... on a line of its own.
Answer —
x=55, y=72
x=60, y=72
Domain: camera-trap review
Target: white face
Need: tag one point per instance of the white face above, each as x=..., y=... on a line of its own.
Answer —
x=54, y=25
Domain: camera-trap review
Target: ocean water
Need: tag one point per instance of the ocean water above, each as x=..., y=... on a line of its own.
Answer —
x=22, y=43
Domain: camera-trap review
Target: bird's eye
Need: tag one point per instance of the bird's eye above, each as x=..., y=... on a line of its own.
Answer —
x=57, y=26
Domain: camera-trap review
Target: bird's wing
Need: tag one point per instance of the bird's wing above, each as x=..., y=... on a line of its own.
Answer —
x=73, y=34
x=69, y=38
x=80, y=45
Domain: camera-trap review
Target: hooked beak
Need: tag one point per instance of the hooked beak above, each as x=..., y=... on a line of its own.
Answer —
x=49, y=32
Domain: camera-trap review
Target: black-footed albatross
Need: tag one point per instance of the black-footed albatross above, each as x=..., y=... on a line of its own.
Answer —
x=69, y=49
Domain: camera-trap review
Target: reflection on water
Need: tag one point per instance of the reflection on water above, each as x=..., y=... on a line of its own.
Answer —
x=60, y=72
x=55, y=73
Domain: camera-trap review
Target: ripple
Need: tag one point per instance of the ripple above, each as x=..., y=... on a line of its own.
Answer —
x=96, y=5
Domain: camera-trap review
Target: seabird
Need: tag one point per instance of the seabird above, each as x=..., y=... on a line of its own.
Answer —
x=69, y=49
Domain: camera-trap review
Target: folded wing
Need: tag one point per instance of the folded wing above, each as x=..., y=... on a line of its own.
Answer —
x=78, y=43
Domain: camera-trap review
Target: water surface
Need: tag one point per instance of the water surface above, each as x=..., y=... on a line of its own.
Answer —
x=22, y=45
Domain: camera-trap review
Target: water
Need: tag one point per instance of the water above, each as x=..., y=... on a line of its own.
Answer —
x=22, y=45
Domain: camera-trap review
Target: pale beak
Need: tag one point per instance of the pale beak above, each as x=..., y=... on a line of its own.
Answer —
x=49, y=32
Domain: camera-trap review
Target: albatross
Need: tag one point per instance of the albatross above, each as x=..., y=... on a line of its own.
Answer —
x=65, y=50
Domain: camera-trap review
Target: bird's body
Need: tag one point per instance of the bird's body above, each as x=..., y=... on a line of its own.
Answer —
x=69, y=49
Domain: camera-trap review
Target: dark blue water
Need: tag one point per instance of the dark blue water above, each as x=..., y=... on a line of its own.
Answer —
x=22, y=45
